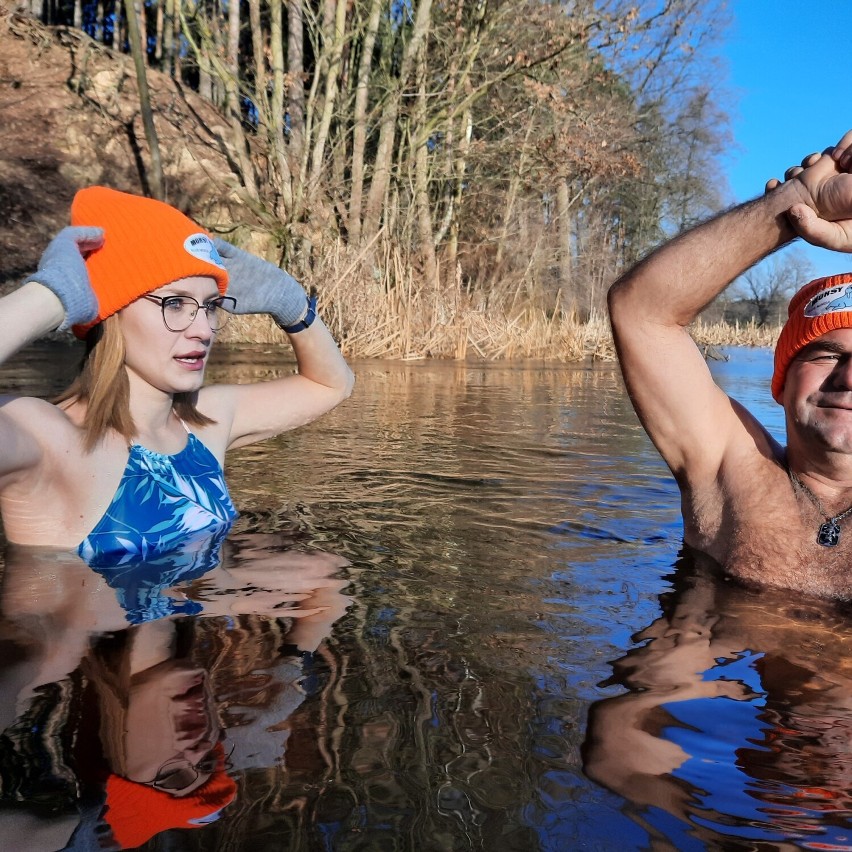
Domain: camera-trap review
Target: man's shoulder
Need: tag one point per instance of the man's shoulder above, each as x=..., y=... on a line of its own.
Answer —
x=748, y=447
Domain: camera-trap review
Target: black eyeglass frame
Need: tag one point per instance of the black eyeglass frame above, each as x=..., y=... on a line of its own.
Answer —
x=208, y=765
x=225, y=303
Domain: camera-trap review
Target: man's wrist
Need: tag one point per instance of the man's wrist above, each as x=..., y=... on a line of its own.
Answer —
x=779, y=201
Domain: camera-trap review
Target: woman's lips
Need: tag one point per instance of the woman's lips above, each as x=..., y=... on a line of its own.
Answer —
x=192, y=360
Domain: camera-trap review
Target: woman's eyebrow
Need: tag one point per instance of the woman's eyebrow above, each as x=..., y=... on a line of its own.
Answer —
x=176, y=291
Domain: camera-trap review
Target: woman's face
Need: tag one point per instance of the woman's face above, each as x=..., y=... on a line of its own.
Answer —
x=171, y=361
x=171, y=728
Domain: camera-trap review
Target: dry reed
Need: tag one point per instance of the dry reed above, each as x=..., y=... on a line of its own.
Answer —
x=738, y=334
x=378, y=306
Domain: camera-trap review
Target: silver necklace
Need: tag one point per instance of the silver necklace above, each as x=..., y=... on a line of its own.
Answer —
x=828, y=534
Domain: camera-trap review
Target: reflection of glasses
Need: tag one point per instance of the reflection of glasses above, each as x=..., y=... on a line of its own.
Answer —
x=178, y=773
x=179, y=311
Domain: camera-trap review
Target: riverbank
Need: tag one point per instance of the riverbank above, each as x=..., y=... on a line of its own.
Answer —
x=386, y=310
x=505, y=297
x=393, y=332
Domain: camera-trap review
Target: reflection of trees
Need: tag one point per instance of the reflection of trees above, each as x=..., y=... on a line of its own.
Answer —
x=736, y=720
x=447, y=485
x=410, y=739
x=453, y=459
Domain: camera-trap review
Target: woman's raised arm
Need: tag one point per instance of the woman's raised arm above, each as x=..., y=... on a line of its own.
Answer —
x=56, y=296
x=259, y=411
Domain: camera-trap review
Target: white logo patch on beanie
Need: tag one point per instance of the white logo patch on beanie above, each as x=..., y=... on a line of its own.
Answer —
x=201, y=246
x=830, y=301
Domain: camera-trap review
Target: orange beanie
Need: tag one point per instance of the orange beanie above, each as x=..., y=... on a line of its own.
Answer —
x=147, y=244
x=819, y=307
x=136, y=812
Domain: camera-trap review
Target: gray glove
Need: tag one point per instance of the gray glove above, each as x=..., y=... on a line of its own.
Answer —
x=261, y=287
x=63, y=270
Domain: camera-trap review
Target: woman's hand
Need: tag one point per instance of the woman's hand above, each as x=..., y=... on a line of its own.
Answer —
x=62, y=269
x=261, y=287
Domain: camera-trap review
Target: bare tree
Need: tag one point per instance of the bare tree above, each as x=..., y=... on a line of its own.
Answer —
x=535, y=147
x=155, y=178
x=766, y=288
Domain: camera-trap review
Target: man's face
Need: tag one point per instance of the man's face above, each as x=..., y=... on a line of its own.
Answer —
x=818, y=394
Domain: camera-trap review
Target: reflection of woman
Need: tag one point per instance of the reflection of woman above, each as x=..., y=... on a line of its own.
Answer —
x=128, y=462
x=128, y=724
x=738, y=718
x=160, y=734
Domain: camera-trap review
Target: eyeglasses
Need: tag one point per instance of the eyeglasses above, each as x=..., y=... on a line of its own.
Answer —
x=179, y=311
x=178, y=773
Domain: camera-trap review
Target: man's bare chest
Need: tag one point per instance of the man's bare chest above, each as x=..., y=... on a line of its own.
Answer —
x=764, y=531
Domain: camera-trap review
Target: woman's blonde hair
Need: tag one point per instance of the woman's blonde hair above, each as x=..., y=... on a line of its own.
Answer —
x=103, y=386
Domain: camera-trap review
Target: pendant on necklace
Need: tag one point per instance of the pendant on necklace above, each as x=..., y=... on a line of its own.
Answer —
x=829, y=533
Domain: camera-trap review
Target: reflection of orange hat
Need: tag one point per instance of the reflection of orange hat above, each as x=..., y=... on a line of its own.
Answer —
x=136, y=812
x=146, y=244
x=819, y=307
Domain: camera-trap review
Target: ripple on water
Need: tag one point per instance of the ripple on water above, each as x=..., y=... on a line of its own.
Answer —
x=511, y=533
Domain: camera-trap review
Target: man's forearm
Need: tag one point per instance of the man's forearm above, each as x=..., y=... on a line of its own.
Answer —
x=675, y=282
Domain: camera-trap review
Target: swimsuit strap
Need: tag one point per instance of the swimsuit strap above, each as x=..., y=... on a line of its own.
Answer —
x=132, y=444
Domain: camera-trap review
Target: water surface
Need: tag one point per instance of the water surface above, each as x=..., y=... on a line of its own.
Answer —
x=425, y=596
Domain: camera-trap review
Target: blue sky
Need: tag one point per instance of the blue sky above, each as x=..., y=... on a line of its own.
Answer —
x=792, y=93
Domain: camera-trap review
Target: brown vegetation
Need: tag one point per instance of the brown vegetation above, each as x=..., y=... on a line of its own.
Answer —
x=457, y=179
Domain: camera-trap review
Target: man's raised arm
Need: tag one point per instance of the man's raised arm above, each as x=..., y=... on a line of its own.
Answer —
x=690, y=420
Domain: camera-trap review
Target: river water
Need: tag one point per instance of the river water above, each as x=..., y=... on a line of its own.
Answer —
x=453, y=615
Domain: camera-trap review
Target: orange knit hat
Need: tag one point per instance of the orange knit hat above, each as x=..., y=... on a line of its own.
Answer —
x=146, y=244
x=819, y=307
x=136, y=812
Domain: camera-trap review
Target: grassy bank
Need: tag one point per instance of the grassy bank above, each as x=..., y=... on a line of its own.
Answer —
x=378, y=306
x=530, y=334
x=374, y=320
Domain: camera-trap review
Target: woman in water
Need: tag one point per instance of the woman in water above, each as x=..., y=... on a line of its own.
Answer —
x=128, y=462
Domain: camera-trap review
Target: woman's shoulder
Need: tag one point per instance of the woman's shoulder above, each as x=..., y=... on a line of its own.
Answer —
x=39, y=417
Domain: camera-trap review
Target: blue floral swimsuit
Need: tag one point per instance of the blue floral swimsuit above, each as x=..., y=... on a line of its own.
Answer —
x=164, y=525
x=161, y=503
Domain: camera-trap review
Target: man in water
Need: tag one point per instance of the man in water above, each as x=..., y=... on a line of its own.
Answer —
x=766, y=514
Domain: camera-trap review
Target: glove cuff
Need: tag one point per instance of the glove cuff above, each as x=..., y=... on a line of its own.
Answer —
x=80, y=306
x=306, y=321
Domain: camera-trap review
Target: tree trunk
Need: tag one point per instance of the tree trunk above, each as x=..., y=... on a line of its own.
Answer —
x=284, y=182
x=387, y=127
x=296, y=91
x=563, y=224
x=455, y=206
x=359, y=122
x=142, y=20
x=155, y=178
x=421, y=176
x=169, y=38
x=234, y=37
x=335, y=51
x=158, y=35
x=117, y=34
x=258, y=45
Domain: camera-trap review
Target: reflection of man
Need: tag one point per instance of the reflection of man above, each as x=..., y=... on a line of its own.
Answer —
x=769, y=515
x=736, y=720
